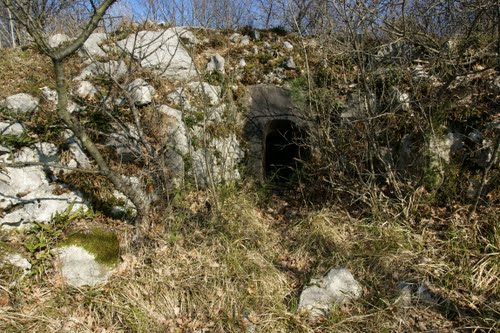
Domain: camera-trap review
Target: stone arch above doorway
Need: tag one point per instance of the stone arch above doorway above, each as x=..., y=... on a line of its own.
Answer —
x=272, y=126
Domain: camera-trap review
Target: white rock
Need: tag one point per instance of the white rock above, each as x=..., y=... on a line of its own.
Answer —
x=86, y=90
x=112, y=68
x=17, y=182
x=49, y=94
x=124, y=208
x=141, y=92
x=216, y=64
x=76, y=148
x=218, y=162
x=287, y=45
x=235, y=38
x=21, y=103
x=186, y=36
x=245, y=40
x=58, y=39
x=125, y=142
x=242, y=63
x=43, y=152
x=337, y=287
x=91, y=48
x=15, y=129
x=40, y=205
x=27, y=189
x=175, y=130
x=205, y=91
x=161, y=51
x=15, y=259
x=177, y=144
x=178, y=97
x=79, y=267
x=289, y=63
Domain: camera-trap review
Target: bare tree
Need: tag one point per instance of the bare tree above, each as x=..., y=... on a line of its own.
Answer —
x=34, y=15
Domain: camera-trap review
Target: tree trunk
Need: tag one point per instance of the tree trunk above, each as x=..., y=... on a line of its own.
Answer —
x=121, y=184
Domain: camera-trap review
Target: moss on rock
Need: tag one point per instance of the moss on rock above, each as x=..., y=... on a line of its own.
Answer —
x=102, y=244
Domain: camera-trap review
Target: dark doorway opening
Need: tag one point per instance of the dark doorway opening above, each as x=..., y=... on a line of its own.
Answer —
x=283, y=151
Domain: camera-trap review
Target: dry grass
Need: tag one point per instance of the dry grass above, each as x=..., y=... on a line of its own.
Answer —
x=241, y=270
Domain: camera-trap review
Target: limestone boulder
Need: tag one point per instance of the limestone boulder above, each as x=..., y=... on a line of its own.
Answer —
x=217, y=162
x=58, y=39
x=141, y=92
x=20, y=103
x=205, y=92
x=161, y=51
x=216, y=63
x=114, y=69
x=80, y=268
x=125, y=143
x=176, y=132
x=80, y=159
x=92, y=46
x=337, y=287
x=27, y=193
x=86, y=90
x=14, y=129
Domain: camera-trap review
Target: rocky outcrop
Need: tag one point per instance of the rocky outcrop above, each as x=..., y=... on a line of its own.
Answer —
x=162, y=52
x=28, y=194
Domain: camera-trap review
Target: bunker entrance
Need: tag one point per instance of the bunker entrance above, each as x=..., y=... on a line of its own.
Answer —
x=282, y=151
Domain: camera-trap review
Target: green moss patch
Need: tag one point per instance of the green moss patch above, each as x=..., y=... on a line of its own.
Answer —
x=102, y=244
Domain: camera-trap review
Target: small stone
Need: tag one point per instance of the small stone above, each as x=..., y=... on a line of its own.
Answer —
x=80, y=268
x=86, y=90
x=245, y=40
x=287, y=45
x=216, y=64
x=255, y=35
x=242, y=63
x=49, y=94
x=18, y=261
x=21, y=103
x=91, y=48
x=14, y=129
x=58, y=39
x=235, y=38
x=188, y=38
x=337, y=287
x=289, y=64
x=140, y=92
